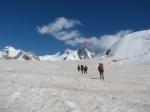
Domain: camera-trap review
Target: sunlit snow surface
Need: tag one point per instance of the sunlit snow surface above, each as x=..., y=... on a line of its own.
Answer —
x=58, y=87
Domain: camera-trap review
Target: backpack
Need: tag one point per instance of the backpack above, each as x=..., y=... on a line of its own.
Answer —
x=100, y=67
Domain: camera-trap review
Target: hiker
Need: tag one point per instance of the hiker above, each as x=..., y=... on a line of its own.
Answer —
x=78, y=68
x=82, y=68
x=101, y=70
x=85, y=69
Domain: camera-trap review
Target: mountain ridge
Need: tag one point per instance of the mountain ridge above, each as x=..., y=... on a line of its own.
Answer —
x=11, y=53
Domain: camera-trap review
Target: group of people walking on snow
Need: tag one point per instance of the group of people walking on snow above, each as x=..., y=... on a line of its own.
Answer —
x=84, y=70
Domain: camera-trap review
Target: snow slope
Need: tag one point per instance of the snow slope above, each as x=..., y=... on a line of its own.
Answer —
x=135, y=47
x=67, y=55
x=53, y=57
x=58, y=87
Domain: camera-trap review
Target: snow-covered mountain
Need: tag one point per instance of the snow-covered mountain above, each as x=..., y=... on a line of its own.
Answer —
x=69, y=55
x=16, y=54
x=85, y=53
x=132, y=48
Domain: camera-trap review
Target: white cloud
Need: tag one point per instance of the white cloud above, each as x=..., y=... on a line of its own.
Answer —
x=106, y=41
x=103, y=42
x=62, y=29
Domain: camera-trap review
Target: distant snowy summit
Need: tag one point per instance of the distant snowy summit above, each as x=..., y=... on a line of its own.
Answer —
x=85, y=53
x=132, y=48
x=10, y=53
x=82, y=53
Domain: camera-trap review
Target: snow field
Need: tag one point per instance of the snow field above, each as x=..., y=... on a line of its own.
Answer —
x=58, y=87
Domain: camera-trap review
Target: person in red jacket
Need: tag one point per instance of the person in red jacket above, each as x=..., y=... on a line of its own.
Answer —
x=101, y=70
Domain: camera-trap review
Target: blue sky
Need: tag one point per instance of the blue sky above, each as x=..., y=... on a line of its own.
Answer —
x=22, y=22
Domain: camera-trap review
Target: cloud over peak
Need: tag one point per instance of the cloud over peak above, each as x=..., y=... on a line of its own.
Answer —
x=63, y=29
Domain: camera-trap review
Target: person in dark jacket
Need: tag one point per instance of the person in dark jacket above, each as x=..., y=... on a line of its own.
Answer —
x=101, y=70
x=78, y=68
x=82, y=68
x=85, y=69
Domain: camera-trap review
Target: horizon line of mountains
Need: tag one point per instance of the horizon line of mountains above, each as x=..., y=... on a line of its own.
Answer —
x=11, y=53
